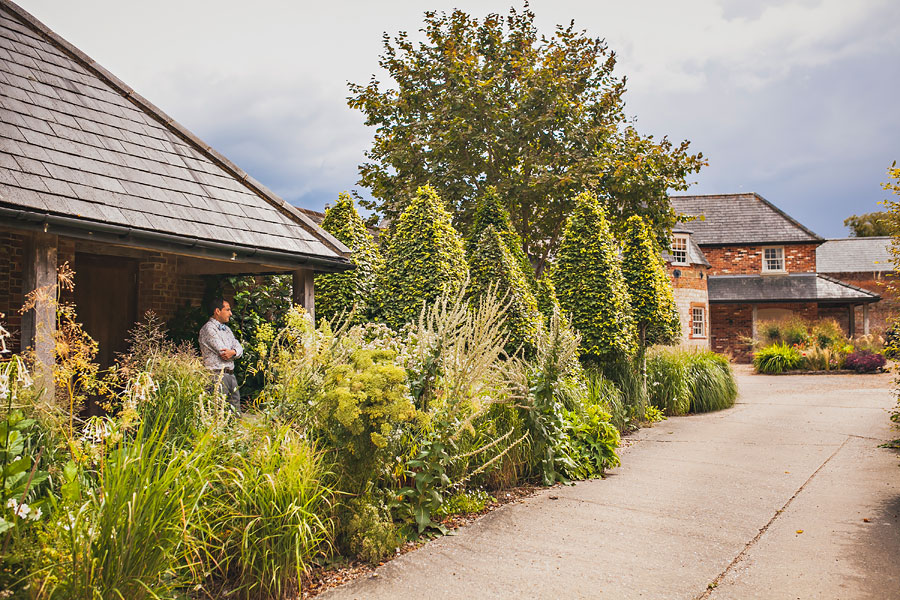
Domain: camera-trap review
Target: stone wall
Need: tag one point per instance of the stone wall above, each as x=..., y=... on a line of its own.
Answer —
x=690, y=290
x=747, y=260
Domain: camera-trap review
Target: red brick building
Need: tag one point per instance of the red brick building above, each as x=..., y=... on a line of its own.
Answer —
x=763, y=267
x=93, y=174
x=688, y=272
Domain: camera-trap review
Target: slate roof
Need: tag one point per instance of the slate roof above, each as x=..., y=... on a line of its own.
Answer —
x=795, y=287
x=855, y=255
x=739, y=219
x=77, y=142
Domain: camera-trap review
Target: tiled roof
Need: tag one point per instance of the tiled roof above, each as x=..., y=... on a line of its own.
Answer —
x=854, y=255
x=77, y=142
x=739, y=219
x=795, y=287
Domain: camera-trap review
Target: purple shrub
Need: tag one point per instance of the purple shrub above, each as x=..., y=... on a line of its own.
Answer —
x=864, y=361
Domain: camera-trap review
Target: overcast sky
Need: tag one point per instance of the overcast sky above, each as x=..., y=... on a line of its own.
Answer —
x=794, y=100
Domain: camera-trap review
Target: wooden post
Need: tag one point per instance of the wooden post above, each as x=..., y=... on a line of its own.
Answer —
x=865, y=319
x=753, y=323
x=852, y=321
x=304, y=291
x=39, y=324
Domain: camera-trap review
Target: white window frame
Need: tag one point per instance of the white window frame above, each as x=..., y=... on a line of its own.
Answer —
x=684, y=239
x=765, y=261
x=698, y=324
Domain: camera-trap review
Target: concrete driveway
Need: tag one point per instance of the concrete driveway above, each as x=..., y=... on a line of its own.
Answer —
x=787, y=495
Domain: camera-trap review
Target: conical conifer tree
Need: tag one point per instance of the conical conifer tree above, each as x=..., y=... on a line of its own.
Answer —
x=547, y=301
x=490, y=212
x=590, y=286
x=649, y=289
x=492, y=268
x=338, y=293
x=423, y=259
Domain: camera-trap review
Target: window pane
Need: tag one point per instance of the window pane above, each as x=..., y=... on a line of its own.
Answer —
x=679, y=250
x=698, y=321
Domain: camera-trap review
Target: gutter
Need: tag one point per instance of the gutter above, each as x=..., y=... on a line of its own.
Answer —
x=154, y=240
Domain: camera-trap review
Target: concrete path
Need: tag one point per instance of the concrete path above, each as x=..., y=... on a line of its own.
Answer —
x=708, y=506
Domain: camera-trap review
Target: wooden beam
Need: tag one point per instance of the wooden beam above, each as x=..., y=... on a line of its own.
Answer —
x=39, y=324
x=304, y=290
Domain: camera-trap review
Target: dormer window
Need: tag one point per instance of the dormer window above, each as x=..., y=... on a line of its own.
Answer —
x=773, y=259
x=680, y=250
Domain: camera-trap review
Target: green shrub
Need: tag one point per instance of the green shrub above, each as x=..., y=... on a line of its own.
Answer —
x=424, y=258
x=593, y=441
x=650, y=292
x=590, y=286
x=127, y=539
x=361, y=406
x=493, y=268
x=777, y=358
x=465, y=503
x=795, y=331
x=370, y=533
x=827, y=334
x=626, y=376
x=490, y=212
x=602, y=392
x=543, y=386
x=711, y=381
x=545, y=294
x=339, y=293
x=668, y=381
x=268, y=513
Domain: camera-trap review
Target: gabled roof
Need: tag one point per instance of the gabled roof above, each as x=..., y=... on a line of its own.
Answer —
x=739, y=219
x=855, y=255
x=78, y=144
x=795, y=287
x=695, y=254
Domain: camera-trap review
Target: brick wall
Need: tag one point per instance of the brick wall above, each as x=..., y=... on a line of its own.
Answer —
x=732, y=324
x=729, y=324
x=747, y=260
x=880, y=313
x=12, y=251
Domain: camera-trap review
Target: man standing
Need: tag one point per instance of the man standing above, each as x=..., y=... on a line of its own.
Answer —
x=219, y=348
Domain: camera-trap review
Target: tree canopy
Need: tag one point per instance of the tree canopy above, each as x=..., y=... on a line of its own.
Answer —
x=492, y=102
x=869, y=224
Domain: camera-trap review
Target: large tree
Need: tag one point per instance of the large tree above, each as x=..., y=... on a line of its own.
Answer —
x=492, y=102
x=869, y=224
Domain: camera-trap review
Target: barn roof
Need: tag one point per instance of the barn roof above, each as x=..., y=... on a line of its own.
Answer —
x=723, y=219
x=80, y=148
x=855, y=255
